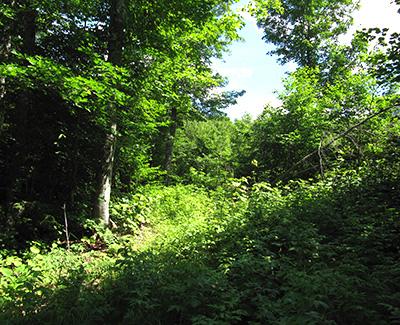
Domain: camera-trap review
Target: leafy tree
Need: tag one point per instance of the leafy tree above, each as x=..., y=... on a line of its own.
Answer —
x=284, y=135
x=308, y=133
x=115, y=48
x=204, y=152
x=212, y=151
x=334, y=110
x=97, y=71
x=302, y=30
x=186, y=91
x=243, y=135
x=93, y=92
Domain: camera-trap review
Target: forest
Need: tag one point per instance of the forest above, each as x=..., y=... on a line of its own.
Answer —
x=127, y=196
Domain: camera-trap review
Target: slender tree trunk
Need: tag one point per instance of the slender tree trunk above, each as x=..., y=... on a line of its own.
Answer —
x=25, y=101
x=5, y=50
x=19, y=151
x=309, y=53
x=169, y=146
x=29, y=32
x=2, y=102
x=105, y=174
x=102, y=208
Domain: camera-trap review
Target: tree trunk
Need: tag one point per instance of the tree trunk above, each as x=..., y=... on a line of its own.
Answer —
x=169, y=146
x=105, y=174
x=20, y=150
x=102, y=208
x=29, y=33
x=309, y=53
x=5, y=50
x=25, y=101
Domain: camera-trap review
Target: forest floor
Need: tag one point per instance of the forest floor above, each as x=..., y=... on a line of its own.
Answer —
x=305, y=253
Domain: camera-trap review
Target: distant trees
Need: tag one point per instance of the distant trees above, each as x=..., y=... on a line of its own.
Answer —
x=204, y=152
x=290, y=141
x=331, y=91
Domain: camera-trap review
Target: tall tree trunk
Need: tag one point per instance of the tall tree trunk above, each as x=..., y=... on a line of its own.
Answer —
x=5, y=50
x=20, y=149
x=309, y=53
x=29, y=32
x=105, y=174
x=25, y=101
x=169, y=146
x=102, y=208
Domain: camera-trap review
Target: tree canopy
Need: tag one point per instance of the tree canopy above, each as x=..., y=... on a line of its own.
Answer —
x=302, y=30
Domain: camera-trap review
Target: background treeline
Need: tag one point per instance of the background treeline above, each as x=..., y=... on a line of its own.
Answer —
x=111, y=122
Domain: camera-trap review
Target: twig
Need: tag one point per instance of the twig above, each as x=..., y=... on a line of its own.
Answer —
x=344, y=133
x=358, y=147
x=321, y=162
x=66, y=225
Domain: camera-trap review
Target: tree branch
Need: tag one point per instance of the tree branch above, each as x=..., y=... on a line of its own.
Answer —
x=345, y=133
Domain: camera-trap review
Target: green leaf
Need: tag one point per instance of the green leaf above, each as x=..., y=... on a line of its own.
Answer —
x=35, y=250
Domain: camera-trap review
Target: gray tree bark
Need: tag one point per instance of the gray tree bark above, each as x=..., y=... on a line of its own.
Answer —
x=105, y=174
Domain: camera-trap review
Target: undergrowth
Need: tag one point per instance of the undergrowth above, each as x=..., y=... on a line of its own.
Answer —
x=322, y=252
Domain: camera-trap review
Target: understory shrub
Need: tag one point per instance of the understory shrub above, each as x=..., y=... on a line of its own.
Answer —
x=321, y=252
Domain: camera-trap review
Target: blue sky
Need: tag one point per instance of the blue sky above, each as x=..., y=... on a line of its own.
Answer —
x=248, y=67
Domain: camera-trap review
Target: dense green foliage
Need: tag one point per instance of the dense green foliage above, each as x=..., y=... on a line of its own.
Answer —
x=72, y=113
x=302, y=253
x=303, y=30
x=291, y=218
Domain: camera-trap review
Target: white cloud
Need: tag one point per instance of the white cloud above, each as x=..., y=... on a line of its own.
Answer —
x=252, y=104
x=239, y=72
x=374, y=13
x=236, y=75
x=377, y=13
